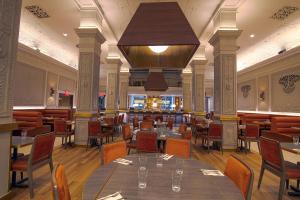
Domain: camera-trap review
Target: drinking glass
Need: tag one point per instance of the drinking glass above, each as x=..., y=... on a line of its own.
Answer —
x=296, y=140
x=159, y=160
x=176, y=181
x=143, y=161
x=179, y=165
x=24, y=133
x=142, y=177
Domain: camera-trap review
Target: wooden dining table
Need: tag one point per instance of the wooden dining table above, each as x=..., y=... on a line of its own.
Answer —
x=113, y=177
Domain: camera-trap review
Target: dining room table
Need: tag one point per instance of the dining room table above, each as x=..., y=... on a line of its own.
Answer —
x=16, y=143
x=195, y=184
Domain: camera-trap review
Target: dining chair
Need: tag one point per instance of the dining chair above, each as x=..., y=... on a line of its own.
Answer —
x=113, y=151
x=215, y=134
x=187, y=135
x=182, y=128
x=40, y=155
x=251, y=135
x=60, y=187
x=178, y=147
x=146, y=125
x=135, y=122
x=146, y=141
x=159, y=118
x=273, y=161
x=170, y=123
x=61, y=130
x=199, y=128
x=95, y=132
x=127, y=137
x=241, y=174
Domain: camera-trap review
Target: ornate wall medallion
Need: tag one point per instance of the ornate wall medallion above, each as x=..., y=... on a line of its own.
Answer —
x=288, y=82
x=245, y=90
x=284, y=12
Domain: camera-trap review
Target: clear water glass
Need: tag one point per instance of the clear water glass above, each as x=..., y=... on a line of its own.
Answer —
x=179, y=165
x=24, y=133
x=176, y=181
x=296, y=140
x=143, y=161
x=142, y=177
x=159, y=160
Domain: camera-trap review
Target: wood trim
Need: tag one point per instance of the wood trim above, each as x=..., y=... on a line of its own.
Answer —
x=7, y=196
x=8, y=127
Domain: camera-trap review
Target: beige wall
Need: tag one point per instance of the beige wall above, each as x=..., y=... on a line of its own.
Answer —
x=34, y=76
x=264, y=77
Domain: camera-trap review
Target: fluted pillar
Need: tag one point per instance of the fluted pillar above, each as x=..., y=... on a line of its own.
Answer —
x=90, y=40
x=9, y=31
x=187, y=91
x=123, y=90
x=112, y=87
x=198, y=69
x=225, y=47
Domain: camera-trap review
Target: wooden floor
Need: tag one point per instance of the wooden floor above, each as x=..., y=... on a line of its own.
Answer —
x=81, y=163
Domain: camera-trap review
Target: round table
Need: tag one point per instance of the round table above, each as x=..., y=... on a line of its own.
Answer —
x=114, y=177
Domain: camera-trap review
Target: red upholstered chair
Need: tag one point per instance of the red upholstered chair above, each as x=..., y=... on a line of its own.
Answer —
x=251, y=135
x=146, y=142
x=215, y=134
x=113, y=151
x=241, y=174
x=178, y=147
x=200, y=128
x=272, y=160
x=146, y=125
x=108, y=120
x=182, y=128
x=127, y=137
x=61, y=130
x=95, y=132
x=60, y=188
x=135, y=122
x=170, y=123
x=40, y=155
x=159, y=118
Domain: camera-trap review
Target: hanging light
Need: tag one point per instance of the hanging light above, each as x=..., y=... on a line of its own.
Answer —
x=158, y=49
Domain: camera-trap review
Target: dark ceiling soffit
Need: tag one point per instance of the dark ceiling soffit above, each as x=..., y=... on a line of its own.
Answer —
x=156, y=82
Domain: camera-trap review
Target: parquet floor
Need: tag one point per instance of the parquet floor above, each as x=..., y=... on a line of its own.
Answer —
x=81, y=163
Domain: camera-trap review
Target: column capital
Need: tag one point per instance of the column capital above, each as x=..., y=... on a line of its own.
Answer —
x=198, y=62
x=114, y=60
x=198, y=66
x=186, y=77
x=225, y=40
x=90, y=40
x=124, y=76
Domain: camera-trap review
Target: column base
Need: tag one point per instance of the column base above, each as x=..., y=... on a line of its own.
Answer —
x=229, y=134
x=81, y=130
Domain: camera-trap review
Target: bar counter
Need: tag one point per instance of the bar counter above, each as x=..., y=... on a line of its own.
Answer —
x=177, y=116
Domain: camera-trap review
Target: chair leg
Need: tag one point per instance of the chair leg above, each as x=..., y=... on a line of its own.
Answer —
x=287, y=183
x=221, y=147
x=207, y=145
x=30, y=183
x=87, y=143
x=51, y=165
x=195, y=138
x=281, y=188
x=128, y=151
x=262, y=170
x=298, y=183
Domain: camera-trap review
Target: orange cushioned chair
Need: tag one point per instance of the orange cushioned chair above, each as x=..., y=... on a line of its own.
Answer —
x=60, y=186
x=113, y=151
x=251, y=135
x=61, y=130
x=241, y=174
x=146, y=125
x=95, y=132
x=187, y=135
x=135, y=122
x=178, y=147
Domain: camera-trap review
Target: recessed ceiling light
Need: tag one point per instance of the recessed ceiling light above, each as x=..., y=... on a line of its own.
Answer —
x=65, y=34
x=252, y=35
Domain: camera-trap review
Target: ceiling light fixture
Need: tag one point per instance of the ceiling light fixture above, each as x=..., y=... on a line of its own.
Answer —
x=158, y=49
x=252, y=35
x=65, y=34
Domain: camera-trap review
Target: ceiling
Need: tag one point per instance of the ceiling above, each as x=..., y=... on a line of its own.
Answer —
x=253, y=17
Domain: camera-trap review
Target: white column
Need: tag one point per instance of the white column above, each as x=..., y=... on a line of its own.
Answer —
x=90, y=40
x=112, y=87
x=187, y=91
x=9, y=31
x=123, y=90
x=198, y=69
x=225, y=47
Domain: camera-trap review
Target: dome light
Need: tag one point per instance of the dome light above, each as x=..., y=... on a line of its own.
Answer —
x=158, y=49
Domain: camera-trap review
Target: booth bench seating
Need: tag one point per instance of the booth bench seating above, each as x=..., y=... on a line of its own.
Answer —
x=30, y=121
x=58, y=113
x=250, y=118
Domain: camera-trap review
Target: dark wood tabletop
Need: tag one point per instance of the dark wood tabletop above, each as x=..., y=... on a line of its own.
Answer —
x=115, y=177
x=163, y=136
x=291, y=147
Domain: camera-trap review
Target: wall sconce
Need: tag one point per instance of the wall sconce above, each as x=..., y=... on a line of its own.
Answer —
x=52, y=91
x=262, y=96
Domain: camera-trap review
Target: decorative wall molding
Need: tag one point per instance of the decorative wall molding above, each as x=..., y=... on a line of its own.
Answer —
x=245, y=90
x=288, y=82
x=284, y=12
